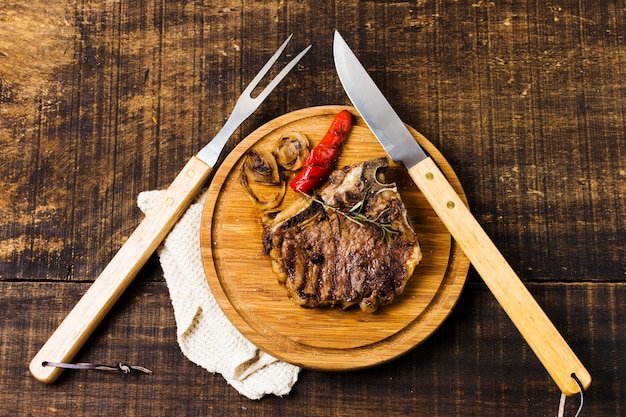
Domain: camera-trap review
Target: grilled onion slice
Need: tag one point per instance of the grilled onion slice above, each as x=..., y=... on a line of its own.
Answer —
x=291, y=150
x=261, y=167
x=268, y=188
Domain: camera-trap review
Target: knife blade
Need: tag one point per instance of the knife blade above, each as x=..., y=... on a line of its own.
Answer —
x=524, y=311
x=89, y=311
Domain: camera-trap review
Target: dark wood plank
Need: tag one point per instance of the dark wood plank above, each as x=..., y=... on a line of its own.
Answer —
x=475, y=364
x=526, y=101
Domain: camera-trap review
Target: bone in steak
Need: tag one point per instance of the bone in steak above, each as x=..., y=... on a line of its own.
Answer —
x=326, y=260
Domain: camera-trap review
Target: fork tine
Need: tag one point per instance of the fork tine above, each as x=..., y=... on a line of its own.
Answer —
x=282, y=74
x=259, y=76
x=272, y=84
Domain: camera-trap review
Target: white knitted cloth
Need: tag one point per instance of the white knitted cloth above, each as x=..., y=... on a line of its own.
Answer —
x=205, y=335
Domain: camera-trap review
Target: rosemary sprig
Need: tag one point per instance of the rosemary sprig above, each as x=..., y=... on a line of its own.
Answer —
x=355, y=215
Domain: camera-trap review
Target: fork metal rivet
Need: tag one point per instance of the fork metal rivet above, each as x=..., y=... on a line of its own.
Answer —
x=191, y=173
x=450, y=204
x=169, y=201
x=429, y=176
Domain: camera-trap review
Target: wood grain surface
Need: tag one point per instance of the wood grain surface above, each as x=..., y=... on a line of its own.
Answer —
x=526, y=101
x=247, y=289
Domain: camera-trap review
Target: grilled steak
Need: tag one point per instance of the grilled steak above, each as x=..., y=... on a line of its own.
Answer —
x=364, y=255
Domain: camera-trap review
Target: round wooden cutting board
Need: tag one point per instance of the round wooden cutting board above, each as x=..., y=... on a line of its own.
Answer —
x=241, y=277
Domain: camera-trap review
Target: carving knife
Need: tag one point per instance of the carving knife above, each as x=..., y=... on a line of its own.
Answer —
x=532, y=322
x=82, y=320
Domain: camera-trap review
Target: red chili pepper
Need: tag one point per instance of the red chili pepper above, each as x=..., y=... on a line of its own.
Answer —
x=321, y=160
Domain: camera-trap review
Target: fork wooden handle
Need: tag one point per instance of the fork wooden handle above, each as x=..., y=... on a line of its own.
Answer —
x=83, y=319
x=536, y=328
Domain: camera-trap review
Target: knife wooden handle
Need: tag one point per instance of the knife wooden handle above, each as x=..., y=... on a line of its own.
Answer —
x=532, y=322
x=83, y=319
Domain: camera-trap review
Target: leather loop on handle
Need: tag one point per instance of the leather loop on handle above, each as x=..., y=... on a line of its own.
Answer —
x=536, y=328
x=83, y=319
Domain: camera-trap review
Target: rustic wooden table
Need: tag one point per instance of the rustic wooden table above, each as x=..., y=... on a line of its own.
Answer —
x=102, y=100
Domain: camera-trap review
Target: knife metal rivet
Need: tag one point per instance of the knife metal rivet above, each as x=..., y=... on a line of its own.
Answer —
x=169, y=201
x=429, y=176
x=191, y=173
x=450, y=204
